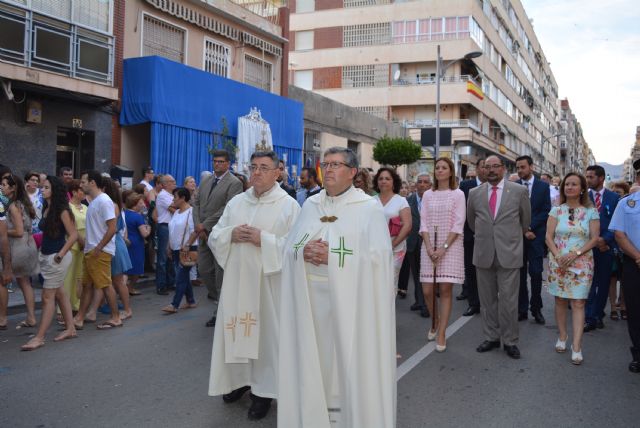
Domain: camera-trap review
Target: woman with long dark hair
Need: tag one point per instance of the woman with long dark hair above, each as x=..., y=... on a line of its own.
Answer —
x=24, y=254
x=59, y=235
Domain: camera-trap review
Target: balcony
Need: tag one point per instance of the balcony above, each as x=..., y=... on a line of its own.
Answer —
x=267, y=9
x=431, y=123
x=430, y=79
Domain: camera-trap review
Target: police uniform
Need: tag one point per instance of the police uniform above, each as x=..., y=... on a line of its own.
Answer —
x=626, y=218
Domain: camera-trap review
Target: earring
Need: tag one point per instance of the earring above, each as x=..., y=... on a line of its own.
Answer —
x=582, y=193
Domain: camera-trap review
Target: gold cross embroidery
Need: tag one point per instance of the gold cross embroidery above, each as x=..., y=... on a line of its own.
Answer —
x=329, y=219
x=247, y=321
x=232, y=326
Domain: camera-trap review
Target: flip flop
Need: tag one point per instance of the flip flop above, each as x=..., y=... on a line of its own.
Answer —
x=169, y=309
x=107, y=325
x=3, y=327
x=32, y=347
x=60, y=337
x=134, y=293
x=24, y=324
x=189, y=306
x=124, y=316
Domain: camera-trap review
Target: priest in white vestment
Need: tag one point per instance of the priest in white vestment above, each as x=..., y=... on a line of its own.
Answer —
x=248, y=244
x=337, y=316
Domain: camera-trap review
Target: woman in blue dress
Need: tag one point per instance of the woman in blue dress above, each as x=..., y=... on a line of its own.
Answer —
x=137, y=231
x=573, y=229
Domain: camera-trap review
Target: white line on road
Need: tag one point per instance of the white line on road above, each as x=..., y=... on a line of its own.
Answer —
x=427, y=349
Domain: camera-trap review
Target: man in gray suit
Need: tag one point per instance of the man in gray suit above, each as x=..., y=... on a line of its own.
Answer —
x=214, y=193
x=499, y=213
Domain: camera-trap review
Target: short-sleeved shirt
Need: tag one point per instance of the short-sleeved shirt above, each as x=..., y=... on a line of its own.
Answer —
x=626, y=218
x=396, y=204
x=180, y=227
x=163, y=201
x=100, y=211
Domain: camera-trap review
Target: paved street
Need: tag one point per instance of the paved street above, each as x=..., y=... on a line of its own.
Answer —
x=154, y=373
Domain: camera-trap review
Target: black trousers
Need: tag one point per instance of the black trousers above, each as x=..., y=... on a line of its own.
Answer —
x=631, y=288
x=470, y=287
x=533, y=255
x=411, y=265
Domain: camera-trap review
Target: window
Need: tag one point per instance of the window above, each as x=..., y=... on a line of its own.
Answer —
x=92, y=13
x=52, y=45
x=304, y=40
x=163, y=39
x=305, y=6
x=366, y=34
x=303, y=79
x=216, y=58
x=257, y=73
x=362, y=76
x=11, y=37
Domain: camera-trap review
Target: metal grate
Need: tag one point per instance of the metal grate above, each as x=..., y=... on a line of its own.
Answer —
x=92, y=13
x=162, y=39
x=364, y=76
x=216, y=58
x=361, y=3
x=378, y=111
x=58, y=8
x=257, y=73
x=367, y=34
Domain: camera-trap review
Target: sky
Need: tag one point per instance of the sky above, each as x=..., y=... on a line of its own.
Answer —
x=594, y=50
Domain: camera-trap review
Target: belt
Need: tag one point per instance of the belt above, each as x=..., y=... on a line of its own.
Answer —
x=166, y=224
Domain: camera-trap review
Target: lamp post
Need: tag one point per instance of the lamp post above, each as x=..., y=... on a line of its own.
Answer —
x=440, y=71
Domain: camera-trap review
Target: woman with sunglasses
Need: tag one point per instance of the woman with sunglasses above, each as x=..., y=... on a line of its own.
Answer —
x=573, y=229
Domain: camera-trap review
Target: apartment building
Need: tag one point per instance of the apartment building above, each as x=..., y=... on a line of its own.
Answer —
x=60, y=65
x=381, y=57
x=629, y=173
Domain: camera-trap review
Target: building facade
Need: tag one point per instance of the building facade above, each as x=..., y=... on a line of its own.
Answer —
x=381, y=57
x=575, y=154
x=628, y=172
x=60, y=65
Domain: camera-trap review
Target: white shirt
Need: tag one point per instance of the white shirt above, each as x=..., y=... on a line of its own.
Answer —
x=499, y=192
x=100, y=211
x=163, y=200
x=147, y=186
x=392, y=209
x=177, y=236
x=529, y=184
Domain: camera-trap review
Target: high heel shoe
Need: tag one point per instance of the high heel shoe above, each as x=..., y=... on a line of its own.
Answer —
x=431, y=335
x=561, y=345
x=441, y=348
x=576, y=357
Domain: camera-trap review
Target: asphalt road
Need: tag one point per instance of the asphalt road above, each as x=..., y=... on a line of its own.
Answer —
x=154, y=373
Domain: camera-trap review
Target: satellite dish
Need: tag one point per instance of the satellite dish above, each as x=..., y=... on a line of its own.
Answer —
x=396, y=75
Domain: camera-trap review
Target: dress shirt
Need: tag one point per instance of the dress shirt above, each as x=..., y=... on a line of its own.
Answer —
x=593, y=195
x=478, y=182
x=499, y=194
x=529, y=184
x=163, y=200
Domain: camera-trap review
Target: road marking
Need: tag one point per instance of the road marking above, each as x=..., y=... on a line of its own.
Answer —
x=427, y=349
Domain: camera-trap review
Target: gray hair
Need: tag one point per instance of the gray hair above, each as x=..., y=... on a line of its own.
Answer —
x=266, y=154
x=424, y=174
x=349, y=156
x=205, y=174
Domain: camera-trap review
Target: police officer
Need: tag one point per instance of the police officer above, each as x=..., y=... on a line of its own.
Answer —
x=626, y=225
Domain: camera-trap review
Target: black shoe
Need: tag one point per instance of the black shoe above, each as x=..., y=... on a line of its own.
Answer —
x=461, y=296
x=599, y=325
x=589, y=327
x=235, y=395
x=522, y=316
x=402, y=294
x=488, y=345
x=415, y=307
x=634, y=366
x=512, y=351
x=259, y=408
x=162, y=292
x=424, y=313
x=537, y=315
x=211, y=323
x=471, y=310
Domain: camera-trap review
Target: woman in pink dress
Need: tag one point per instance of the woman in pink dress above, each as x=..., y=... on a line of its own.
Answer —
x=441, y=225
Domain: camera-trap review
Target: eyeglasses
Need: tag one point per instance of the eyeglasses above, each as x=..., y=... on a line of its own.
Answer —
x=261, y=168
x=333, y=165
x=496, y=166
x=571, y=213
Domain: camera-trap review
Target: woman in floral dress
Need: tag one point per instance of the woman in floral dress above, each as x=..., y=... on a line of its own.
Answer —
x=573, y=229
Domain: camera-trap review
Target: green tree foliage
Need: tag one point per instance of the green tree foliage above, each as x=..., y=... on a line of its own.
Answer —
x=396, y=151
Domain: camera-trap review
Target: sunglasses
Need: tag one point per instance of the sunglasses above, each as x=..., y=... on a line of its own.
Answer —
x=571, y=213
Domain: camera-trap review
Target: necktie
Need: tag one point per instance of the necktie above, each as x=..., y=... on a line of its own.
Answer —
x=493, y=200
x=213, y=186
x=598, y=201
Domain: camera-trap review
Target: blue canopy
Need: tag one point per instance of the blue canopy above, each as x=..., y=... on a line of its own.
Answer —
x=186, y=106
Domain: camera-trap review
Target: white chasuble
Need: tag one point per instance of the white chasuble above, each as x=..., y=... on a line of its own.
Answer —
x=245, y=342
x=337, y=321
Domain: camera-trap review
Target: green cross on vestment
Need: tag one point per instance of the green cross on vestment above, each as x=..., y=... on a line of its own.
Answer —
x=342, y=251
x=299, y=245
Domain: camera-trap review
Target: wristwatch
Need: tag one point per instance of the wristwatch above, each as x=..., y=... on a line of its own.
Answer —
x=578, y=253
x=445, y=246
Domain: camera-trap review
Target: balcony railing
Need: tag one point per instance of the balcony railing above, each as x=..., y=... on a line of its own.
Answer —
x=422, y=79
x=431, y=123
x=268, y=9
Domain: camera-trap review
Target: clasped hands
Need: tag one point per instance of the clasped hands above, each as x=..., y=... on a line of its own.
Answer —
x=247, y=234
x=436, y=255
x=316, y=252
x=564, y=262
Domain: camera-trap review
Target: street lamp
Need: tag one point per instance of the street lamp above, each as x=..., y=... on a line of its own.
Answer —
x=440, y=71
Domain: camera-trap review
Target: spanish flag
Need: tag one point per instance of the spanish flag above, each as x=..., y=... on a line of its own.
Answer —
x=475, y=90
x=319, y=172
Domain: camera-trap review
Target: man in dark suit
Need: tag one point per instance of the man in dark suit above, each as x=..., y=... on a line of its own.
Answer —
x=309, y=185
x=540, y=199
x=411, y=262
x=282, y=180
x=470, y=286
x=213, y=195
x=605, y=202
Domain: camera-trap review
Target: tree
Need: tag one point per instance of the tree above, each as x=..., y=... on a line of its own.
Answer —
x=396, y=151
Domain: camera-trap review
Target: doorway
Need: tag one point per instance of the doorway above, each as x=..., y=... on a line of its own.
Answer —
x=75, y=148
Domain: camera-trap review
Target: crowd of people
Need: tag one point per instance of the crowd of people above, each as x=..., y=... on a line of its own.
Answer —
x=308, y=278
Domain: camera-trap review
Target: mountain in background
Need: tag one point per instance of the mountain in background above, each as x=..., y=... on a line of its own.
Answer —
x=614, y=171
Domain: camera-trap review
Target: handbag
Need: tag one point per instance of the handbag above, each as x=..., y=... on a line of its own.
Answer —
x=187, y=258
x=395, y=225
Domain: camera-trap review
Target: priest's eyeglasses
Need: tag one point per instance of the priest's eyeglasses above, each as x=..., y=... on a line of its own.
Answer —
x=263, y=169
x=333, y=165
